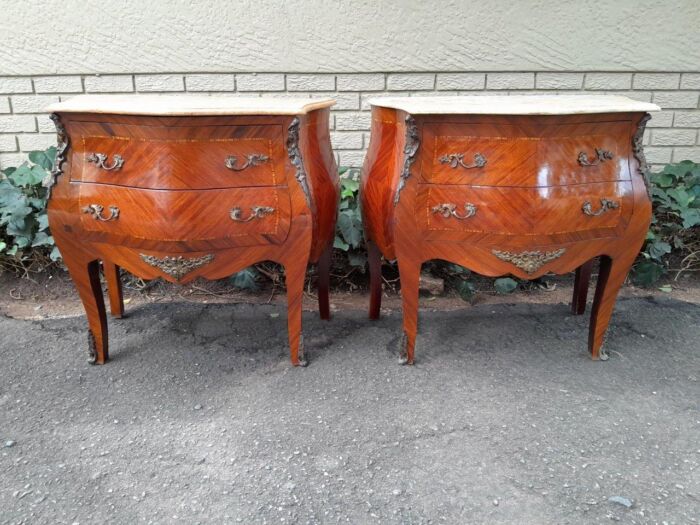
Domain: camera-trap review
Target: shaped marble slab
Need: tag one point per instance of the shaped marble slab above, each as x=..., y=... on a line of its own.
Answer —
x=516, y=105
x=188, y=105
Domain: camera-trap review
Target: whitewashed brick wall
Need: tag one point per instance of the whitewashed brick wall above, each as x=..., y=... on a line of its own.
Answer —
x=672, y=135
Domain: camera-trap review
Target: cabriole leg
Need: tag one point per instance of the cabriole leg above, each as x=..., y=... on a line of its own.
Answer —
x=375, y=279
x=114, y=288
x=409, y=272
x=324, y=278
x=85, y=274
x=611, y=276
x=295, y=271
x=581, y=281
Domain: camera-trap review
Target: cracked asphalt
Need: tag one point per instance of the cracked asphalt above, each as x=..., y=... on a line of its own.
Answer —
x=199, y=418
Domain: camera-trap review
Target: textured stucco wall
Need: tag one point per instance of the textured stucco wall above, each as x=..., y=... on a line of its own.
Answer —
x=44, y=37
x=351, y=50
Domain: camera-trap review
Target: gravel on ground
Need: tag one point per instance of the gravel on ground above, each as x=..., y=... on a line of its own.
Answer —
x=199, y=418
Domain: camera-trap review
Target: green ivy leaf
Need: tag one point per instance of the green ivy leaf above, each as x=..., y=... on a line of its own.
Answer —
x=694, y=191
x=15, y=212
x=22, y=241
x=8, y=193
x=26, y=176
x=467, y=291
x=348, y=188
x=680, y=169
x=658, y=249
x=505, y=285
x=659, y=195
x=43, y=220
x=55, y=254
x=350, y=228
x=246, y=279
x=42, y=239
x=691, y=217
x=37, y=203
x=44, y=159
x=459, y=270
x=340, y=244
x=663, y=179
x=3, y=245
x=680, y=196
x=11, y=199
x=20, y=173
x=647, y=273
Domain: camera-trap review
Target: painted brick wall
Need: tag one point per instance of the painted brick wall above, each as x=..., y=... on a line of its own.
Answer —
x=672, y=135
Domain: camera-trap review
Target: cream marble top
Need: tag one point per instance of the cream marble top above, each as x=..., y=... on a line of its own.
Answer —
x=515, y=105
x=188, y=105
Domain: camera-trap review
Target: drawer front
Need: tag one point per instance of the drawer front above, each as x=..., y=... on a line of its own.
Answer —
x=595, y=208
x=245, y=215
x=482, y=154
x=584, y=153
x=549, y=154
x=178, y=157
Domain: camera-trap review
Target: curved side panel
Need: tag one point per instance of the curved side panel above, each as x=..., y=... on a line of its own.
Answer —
x=639, y=171
x=380, y=177
x=322, y=177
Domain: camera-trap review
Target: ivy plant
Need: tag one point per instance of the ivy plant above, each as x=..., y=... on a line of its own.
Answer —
x=349, y=236
x=24, y=225
x=675, y=226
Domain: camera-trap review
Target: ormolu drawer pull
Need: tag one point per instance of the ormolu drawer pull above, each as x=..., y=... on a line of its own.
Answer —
x=100, y=159
x=448, y=210
x=250, y=160
x=256, y=212
x=605, y=205
x=96, y=211
x=457, y=159
x=601, y=155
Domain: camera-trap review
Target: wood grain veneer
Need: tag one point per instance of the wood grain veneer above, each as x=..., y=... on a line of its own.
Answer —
x=523, y=194
x=165, y=199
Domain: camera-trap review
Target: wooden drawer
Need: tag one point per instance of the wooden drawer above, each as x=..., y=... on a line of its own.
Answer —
x=524, y=211
x=177, y=157
x=584, y=153
x=484, y=154
x=187, y=215
x=497, y=154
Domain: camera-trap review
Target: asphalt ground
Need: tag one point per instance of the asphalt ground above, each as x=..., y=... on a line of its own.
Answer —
x=199, y=418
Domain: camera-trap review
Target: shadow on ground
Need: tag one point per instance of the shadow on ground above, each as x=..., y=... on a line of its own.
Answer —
x=504, y=419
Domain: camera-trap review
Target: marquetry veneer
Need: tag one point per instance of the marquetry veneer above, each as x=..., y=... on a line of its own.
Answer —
x=185, y=187
x=507, y=185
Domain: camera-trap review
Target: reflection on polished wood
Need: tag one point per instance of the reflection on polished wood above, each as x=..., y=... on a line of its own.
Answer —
x=522, y=194
x=182, y=194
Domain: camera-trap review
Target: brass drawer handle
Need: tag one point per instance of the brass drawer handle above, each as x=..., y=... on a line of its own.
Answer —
x=95, y=210
x=605, y=205
x=250, y=160
x=256, y=212
x=100, y=159
x=601, y=155
x=448, y=210
x=457, y=159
